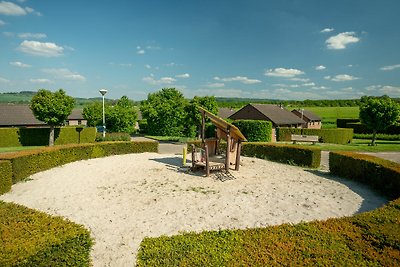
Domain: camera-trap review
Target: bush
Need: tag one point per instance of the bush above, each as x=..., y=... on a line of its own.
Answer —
x=333, y=136
x=26, y=163
x=388, y=137
x=5, y=176
x=360, y=128
x=11, y=137
x=367, y=239
x=255, y=130
x=113, y=137
x=380, y=174
x=142, y=126
x=289, y=154
x=342, y=123
x=302, y=156
x=32, y=238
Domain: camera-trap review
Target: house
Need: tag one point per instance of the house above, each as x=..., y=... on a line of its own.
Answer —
x=14, y=115
x=312, y=120
x=276, y=114
x=225, y=113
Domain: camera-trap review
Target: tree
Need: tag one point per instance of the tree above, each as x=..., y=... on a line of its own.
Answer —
x=52, y=108
x=165, y=112
x=122, y=116
x=193, y=117
x=93, y=114
x=377, y=114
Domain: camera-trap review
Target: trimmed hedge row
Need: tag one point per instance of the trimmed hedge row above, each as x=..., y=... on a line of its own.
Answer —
x=388, y=137
x=382, y=175
x=360, y=128
x=297, y=155
x=5, y=176
x=11, y=137
x=33, y=238
x=289, y=154
x=333, y=136
x=26, y=163
x=255, y=130
x=366, y=239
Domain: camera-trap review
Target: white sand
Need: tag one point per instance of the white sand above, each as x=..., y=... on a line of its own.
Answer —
x=122, y=199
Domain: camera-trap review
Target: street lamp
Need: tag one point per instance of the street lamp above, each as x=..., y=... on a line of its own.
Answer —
x=103, y=92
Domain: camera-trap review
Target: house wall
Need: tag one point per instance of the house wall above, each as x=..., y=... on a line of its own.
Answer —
x=314, y=125
x=76, y=122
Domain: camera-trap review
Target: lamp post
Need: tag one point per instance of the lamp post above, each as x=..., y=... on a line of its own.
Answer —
x=103, y=92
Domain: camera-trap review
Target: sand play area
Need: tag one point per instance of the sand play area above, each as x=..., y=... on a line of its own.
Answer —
x=122, y=199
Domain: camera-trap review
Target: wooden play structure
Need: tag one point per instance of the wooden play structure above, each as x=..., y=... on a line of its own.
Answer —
x=207, y=157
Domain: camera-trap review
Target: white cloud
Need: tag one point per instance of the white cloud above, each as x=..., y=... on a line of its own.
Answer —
x=341, y=40
x=320, y=67
x=185, y=75
x=41, y=81
x=2, y=23
x=241, y=79
x=28, y=35
x=20, y=64
x=163, y=80
x=384, y=89
x=216, y=85
x=140, y=52
x=41, y=49
x=392, y=67
x=341, y=78
x=65, y=74
x=4, y=80
x=308, y=84
x=303, y=80
x=327, y=30
x=282, y=72
x=11, y=9
x=147, y=66
x=31, y=10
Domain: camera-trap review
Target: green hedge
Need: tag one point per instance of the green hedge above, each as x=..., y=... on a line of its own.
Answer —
x=113, y=137
x=289, y=154
x=342, y=123
x=255, y=130
x=380, y=174
x=11, y=137
x=296, y=155
x=388, y=137
x=360, y=128
x=5, y=176
x=332, y=136
x=32, y=238
x=368, y=239
x=26, y=163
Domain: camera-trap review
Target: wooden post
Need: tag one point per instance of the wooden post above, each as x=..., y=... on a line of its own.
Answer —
x=203, y=125
x=239, y=146
x=228, y=148
x=193, y=156
x=207, y=162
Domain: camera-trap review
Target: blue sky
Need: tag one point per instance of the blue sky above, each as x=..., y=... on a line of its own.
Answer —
x=287, y=49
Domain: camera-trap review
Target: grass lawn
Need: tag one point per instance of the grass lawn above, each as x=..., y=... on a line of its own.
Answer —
x=171, y=138
x=17, y=148
x=362, y=145
x=330, y=114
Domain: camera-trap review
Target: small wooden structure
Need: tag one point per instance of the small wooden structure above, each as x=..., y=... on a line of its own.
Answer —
x=304, y=138
x=209, y=147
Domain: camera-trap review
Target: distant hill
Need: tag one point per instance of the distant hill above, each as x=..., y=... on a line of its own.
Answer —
x=24, y=97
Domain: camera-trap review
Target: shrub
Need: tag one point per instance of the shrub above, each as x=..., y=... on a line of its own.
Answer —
x=113, y=137
x=367, y=239
x=333, y=136
x=143, y=126
x=255, y=130
x=302, y=156
x=26, y=163
x=40, y=136
x=380, y=174
x=5, y=176
x=388, y=137
x=32, y=238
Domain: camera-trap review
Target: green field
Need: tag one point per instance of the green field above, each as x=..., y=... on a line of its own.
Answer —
x=330, y=114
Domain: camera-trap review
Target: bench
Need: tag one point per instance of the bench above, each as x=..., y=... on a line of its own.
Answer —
x=304, y=138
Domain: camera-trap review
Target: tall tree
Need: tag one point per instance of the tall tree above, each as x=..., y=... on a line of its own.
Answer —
x=377, y=114
x=165, y=112
x=193, y=116
x=93, y=113
x=122, y=116
x=52, y=108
